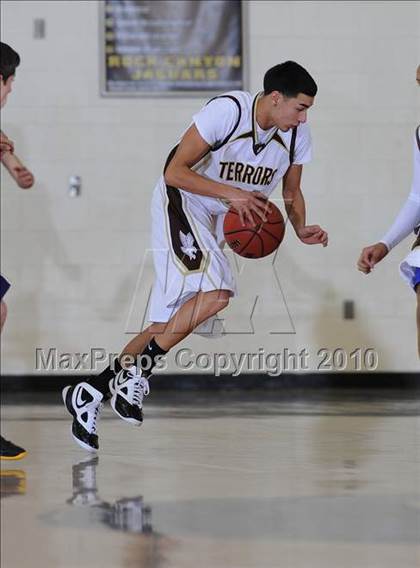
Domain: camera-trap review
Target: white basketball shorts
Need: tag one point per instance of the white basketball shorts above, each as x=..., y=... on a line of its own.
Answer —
x=187, y=243
x=409, y=267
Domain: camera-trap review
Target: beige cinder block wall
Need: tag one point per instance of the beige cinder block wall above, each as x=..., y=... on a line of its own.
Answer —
x=79, y=267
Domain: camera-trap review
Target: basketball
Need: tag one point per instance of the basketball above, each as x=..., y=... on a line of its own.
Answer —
x=258, y=241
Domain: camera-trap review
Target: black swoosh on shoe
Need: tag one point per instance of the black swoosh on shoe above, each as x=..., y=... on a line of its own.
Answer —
x=81, y=434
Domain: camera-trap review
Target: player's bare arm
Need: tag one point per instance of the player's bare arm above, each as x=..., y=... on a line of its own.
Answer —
x=296, y=209
x=179, y=173
x=6, y=145
x=22, y=176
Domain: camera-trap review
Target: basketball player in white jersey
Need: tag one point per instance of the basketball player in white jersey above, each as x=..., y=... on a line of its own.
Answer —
x=233, y=155
x=407, y=220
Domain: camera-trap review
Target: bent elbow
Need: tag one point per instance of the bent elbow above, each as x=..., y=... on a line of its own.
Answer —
x=169, y=177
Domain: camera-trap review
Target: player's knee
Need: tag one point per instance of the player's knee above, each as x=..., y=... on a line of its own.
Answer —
x=215, y=301
x=222, y=301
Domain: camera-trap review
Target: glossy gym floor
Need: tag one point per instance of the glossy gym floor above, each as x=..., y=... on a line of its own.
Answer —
x=223, y=480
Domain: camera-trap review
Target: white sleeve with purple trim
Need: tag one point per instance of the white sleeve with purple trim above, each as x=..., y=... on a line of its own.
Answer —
x=409, y=216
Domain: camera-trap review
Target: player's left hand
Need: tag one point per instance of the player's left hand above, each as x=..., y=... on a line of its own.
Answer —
x=313, y=235
x=24, y=178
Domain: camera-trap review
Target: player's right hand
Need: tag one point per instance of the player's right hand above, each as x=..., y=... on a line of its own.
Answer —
x=370, y=256
x=6, y=145
x=247, y=203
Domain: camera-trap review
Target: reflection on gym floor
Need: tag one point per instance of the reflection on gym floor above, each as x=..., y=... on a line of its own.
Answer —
x=13, y=482
x=125, y=514
x=327, y=481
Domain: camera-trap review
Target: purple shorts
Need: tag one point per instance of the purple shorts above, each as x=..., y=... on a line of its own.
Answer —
x=4, y=286
x=416, y=277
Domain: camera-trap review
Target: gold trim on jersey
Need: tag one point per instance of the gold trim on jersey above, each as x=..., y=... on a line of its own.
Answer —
x=256, y=145
x=177, y=262
x=244, y=135
x=276, y=138
x=279, y=139
x=202, y=162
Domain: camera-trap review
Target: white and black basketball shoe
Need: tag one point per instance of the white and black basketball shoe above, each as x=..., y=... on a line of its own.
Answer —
x=84, y=403
x=128, y=389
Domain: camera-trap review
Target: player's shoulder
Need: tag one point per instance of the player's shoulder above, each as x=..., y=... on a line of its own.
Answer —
x=237, y=94
x=303, y=130
x=303, y=134
x=232, y=105
x=242, y=98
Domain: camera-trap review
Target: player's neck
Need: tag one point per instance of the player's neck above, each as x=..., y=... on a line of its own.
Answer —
x=262, y=114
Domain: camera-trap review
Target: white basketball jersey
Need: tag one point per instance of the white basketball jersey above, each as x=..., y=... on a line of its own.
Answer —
x=242, y=154
x=187, y=229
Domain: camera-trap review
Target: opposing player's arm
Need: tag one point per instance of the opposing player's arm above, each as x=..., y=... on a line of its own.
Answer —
x=407, y=219
x=22, y=176
x=179, y=173
x=296, y=209
x=6, y=145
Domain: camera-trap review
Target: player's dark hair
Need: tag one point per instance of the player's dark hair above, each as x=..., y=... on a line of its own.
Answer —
x=9, y=60
x=290, y=79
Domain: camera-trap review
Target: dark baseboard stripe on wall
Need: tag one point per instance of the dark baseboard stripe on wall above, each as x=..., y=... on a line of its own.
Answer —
x=194, y=382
